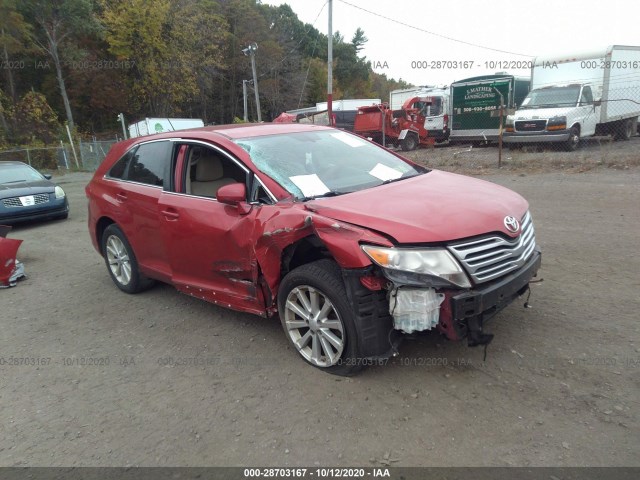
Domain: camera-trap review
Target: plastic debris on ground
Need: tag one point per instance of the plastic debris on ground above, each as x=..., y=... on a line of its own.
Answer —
x=11, y=270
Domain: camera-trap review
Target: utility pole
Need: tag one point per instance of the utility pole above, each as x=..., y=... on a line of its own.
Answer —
x=330, y=65
x=244, y=99
x=500, y=128
x=124, y=130
x=251, y=51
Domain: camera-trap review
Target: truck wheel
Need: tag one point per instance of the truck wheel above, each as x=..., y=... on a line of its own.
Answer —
x=121, y=261
x=317, y=319
x=573, y=141
x=408, y=143
x=625, y=129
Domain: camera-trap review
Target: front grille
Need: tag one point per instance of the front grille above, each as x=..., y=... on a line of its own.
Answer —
x=531, y=125
x=15, y=201
x=488, y=258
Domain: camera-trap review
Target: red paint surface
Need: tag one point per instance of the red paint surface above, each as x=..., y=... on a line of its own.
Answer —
x=8, y=250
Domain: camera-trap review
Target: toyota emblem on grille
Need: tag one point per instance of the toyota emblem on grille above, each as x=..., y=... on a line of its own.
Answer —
x=511, y=223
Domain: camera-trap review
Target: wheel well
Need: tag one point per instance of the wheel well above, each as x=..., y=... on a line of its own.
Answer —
x=576, y=125
x=101, y=226
x=305, y=250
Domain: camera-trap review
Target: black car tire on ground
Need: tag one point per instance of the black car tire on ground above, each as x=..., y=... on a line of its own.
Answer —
x=323, y=280
x=121, y=261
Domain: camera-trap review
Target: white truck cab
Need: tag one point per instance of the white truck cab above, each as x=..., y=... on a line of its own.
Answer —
x=435, y=108
x=578, y=96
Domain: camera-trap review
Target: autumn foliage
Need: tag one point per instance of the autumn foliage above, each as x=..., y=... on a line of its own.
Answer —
x=82, y=62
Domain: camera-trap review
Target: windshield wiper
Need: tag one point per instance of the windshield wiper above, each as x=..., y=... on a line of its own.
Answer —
x=330, y=193
x=14, y=181
x=391, y=180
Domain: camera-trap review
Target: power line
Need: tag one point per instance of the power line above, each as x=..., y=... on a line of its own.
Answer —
x=433, y=33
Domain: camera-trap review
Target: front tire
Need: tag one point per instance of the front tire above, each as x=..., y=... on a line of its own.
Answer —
x=573, y=141
x=121, y=261
x=317, y=319
x=409, y=143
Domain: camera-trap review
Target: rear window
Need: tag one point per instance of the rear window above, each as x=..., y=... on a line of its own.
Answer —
x=148, y=164
x=119, y=169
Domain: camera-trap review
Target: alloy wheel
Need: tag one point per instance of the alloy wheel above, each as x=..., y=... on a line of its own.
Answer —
x=314, y=326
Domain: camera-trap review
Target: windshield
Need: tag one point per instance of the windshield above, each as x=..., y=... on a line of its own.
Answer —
x=552, y=97
x=18, y=173
x=324, y=163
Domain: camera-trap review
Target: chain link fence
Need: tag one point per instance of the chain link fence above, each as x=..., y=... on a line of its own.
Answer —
x=492, y=121
x=85, y=155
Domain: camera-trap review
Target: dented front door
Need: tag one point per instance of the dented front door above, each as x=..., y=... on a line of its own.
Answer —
x=210, y=250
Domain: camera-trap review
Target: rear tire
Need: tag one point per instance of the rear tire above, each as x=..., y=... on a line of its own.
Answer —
x=625, y=129
x=317, y=318
x=121, y=261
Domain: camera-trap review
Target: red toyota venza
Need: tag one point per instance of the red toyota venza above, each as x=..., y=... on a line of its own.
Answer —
x=350, y=244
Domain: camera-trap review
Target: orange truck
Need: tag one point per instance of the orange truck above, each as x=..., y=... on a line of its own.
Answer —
x=404, y=127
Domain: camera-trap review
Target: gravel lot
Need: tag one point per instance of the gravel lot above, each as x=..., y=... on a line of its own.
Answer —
x=162, y=379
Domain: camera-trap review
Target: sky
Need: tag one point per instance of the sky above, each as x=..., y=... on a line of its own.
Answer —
x=483, y=37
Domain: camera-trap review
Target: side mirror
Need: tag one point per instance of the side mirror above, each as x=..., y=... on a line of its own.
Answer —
x=597, y=103
x=234, y=194
x=47, y=176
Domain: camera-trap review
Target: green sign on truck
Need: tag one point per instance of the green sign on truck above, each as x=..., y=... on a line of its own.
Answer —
x=475, y=105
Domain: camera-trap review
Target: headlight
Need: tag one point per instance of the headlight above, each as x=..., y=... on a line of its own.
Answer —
x=557, y=123
x=59, y=192
x=433, y=261
x=508, y=125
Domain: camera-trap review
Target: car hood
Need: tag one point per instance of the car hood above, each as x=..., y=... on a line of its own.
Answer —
x=430, y=208
x=542, y=113
x=25, y=188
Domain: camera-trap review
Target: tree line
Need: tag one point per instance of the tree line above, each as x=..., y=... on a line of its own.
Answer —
x=82, y=62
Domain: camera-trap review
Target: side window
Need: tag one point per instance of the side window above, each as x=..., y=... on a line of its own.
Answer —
x=587, y=97
x=149, y=163
x=120, y=167
x=207, y=170
x=436, y=107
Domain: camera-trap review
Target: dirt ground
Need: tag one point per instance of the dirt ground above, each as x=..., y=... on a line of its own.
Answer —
x=162, y=379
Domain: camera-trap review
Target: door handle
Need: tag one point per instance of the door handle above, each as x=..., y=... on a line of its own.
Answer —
x=170, y=214
x=121, y=196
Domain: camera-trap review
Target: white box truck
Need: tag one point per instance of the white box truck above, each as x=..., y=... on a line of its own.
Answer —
x=436, y=107
x=149, y=126
x=579, y=95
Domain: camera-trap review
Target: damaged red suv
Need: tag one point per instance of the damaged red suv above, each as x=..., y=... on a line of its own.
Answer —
x=350, y=244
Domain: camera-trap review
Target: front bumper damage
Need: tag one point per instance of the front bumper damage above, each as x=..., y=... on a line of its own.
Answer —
x=412, y=306
x=469, y=310
x=415, y=306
